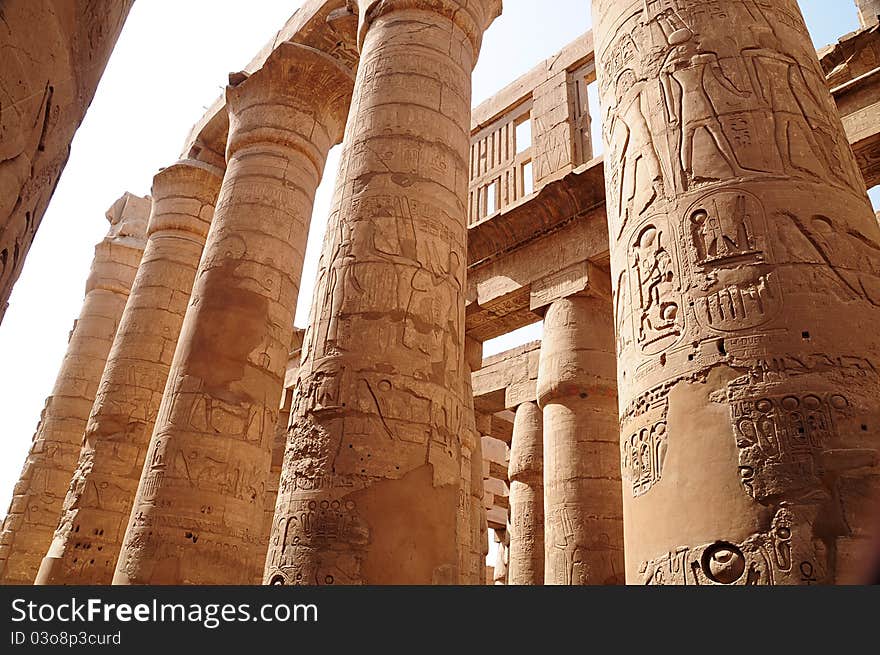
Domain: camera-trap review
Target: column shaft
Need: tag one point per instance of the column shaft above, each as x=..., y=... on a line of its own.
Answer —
x=198, y=512
x=583, y=532
x=525, y=472
x=39, y=493
x=372, y=470
x=89, y=534
x=746, y=270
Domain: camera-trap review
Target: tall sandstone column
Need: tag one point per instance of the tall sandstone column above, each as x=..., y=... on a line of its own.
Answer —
x=525, y=472
x=37, y=498
x=370, y=488
x=746, y=270
x=54, y=56
x=95, y=513
x=198, y=514
x=583, y=529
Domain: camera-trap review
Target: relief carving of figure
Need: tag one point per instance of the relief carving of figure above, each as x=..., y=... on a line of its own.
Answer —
x=688, y=75
x=780, y=83
x=639, y=176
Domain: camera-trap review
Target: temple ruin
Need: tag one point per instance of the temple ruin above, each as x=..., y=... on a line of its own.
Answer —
x=704, y=403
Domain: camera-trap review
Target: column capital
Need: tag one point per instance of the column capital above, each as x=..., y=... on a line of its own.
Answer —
x=473, y=16
x=296, y=84
x=120, y=251
x=186, y=181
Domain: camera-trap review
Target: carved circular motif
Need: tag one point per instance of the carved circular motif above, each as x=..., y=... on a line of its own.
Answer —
x=724, y=563
x=838, y=401
x=790, y=403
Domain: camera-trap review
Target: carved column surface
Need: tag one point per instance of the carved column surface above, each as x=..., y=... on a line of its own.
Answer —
x=583, y=531
x=374, y=451
x=472, y=527
x=198, y=513
x=95, y=512
x=746, y=274
x=54, y=57
x=38, y=495
x=526, y=475
x=479, y=527
x=869, y=12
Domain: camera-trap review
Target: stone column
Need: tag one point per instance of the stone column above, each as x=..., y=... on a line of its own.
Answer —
x=869, y=12
x=525, y=472
x=746, y=267
x=198, y=513
x=502, y=557
x=38, y=495
x=583, y=531
x=89, y=534
x=479, y=527
x=374, y=452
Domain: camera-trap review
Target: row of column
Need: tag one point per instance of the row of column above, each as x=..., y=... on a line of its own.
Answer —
x=740, y=235
x=176, y=447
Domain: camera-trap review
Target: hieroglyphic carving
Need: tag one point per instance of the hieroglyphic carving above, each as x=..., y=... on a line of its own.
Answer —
x=655, y=288
x=642, y=457
x=781, y=442
x=727, y=244
x=783, y=555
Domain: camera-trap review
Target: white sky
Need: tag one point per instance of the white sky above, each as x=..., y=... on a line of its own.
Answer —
x=171, y=62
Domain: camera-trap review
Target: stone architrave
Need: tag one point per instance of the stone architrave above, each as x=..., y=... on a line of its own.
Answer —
x=583, y=529
x=745, y=262
x=374, y=451
x=198, y=513
x=89, y=533
x=525, y=473
x=39, y=493
x=54, y=55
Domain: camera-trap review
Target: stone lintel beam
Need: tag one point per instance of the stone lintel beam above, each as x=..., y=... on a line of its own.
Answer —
x=507, y=380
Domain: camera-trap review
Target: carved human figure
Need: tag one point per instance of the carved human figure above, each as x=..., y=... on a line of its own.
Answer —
x=640, y=178
x=687, y=73
x=780, y=83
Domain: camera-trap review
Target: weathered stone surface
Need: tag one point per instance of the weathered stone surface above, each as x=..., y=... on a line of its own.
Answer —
x=526, y=472
x=583, y=529
x=54, y=54
x=745, y=259
x=869, y=12
x=38, y=495
x=198, y=514
x=374, y=451
x=98, y=503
